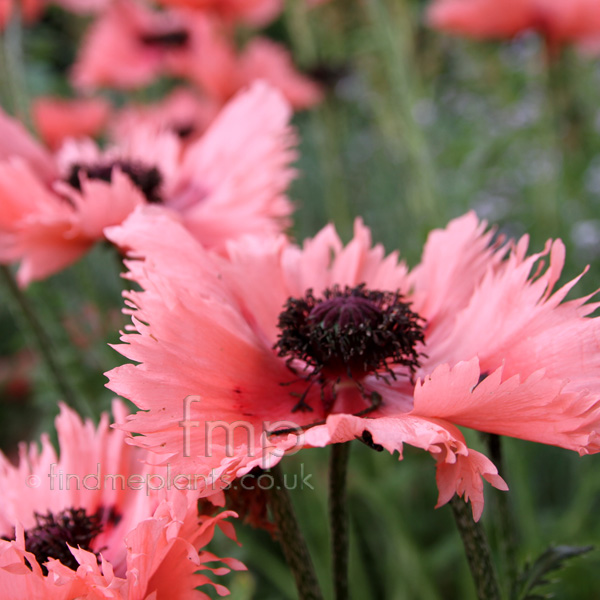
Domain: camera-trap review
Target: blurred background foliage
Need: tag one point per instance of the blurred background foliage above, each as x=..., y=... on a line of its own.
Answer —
x=416, y=129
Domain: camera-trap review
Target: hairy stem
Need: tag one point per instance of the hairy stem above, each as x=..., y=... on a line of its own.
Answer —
x=338, y=518
x=13, y=69
x=507, y=531
x=477, y=551
x=23, y=308
x=292, y=541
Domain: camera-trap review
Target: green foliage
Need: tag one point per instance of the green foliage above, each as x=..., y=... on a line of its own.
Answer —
x=536, y=574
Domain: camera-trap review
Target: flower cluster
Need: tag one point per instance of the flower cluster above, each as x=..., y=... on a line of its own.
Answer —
x=78, y=526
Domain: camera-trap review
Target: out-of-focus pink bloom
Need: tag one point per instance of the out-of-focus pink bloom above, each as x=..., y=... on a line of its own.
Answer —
x=261, y=59
x=558, y=21
x=183, y=112
x=16, y=141
x=56, y=119
x=29, y=10
x=264, y=59
x=130, y=45
x=45, y=229
x=252, y=12
x=323, y=337
x=229, y=182
x=95, y=522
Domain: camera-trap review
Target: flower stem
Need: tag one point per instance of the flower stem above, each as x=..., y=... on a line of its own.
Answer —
x=395, y=105
x=338, y=517
x=23, y=307
x=14, y=68
x=477, y=551
x=507, y=532
x=292, y=541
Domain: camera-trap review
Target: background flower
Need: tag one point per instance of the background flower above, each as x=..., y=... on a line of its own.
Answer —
x=84, y=524
x=229, y=182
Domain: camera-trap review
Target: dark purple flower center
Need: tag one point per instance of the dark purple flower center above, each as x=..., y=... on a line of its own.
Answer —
x=147, y=179
x=350, y=333
x=52, y=533
x=177, y=38
x=183, y=130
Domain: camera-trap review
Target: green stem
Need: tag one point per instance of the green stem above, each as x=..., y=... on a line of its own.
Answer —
x=477, y=551
x=14, y=68
x=327, y=121
x=301, y=34
x=292, y=541
x=395, y=105
x=338, y=517
x=507, y=532
x=573, y=136
x=23, y=307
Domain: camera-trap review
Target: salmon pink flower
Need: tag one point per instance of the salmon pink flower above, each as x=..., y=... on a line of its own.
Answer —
x=558, y=21
x=183, y=112
x=15, y=141
x=252, y=12
x=260, y=59
x=229, y=182
x=57, y=119
x=346, y=343
x=83, y=525
x=130, y=45
x=264, y=59
x=145, y=44
x=29, y=10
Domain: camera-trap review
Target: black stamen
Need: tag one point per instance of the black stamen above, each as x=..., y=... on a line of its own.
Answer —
x=177, y=38
x=350, y=333
x=183, y=130
x=52, y=533
x=147, y=179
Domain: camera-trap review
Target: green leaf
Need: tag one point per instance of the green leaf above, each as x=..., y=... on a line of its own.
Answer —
x=534, y=575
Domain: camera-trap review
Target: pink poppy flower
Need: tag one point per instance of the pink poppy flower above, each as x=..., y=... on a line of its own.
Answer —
x=252, y=12
x=57, y=119
x=236, y=349
x=261, y=59
x=46, y=230
x=145, y=44
x=15, y=140
x=130, y=45
x=29, y=11
x=264, y=59
x=183, y=112
x=93, y=523
x=229, y=182
x=558, y=21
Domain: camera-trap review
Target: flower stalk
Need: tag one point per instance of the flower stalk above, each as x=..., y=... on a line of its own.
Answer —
x=13, y=69
x=338, y=518
x=477, y=550
x=292, y=541
x=22, y=306
x=506, y=529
